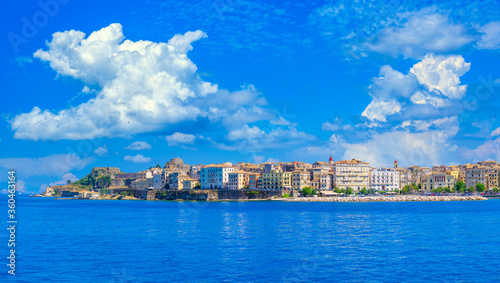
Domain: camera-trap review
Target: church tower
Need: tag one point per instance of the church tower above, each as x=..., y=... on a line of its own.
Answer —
x=330, y=161
x=395, y=164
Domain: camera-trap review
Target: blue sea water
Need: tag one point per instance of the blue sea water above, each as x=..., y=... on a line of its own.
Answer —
x=261, y=241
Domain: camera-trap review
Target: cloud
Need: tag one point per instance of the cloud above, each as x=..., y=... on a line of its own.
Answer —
x=141, y=86
x=139, y=158
x=52, y=165
x=432, y=145
x=490, y=38
x=64, y=180
x=20, y=187
x=139, y=145
x=496, y=132
x=179, y=139
x=380, y=109
x=23, y=61
x=431, y=88
x=337, y=125
x=254, y=139
x=442, y=73
x=418, y=33
x=488, y=150
x=101, y=151
x=245, y=133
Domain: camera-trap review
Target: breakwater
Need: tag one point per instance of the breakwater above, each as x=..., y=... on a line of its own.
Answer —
x=384, y=198
x=213, y=195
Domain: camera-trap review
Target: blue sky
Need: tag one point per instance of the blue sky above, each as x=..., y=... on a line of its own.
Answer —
x=132, y=84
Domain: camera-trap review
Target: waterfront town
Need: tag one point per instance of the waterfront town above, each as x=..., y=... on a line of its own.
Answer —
x=324, y=179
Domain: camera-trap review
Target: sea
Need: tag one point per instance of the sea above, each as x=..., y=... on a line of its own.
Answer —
x=253, y=241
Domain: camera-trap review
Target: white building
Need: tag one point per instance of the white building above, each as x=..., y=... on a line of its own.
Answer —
x=326, y=182
x=352, y=174
x=384, y=179
x=215, y=176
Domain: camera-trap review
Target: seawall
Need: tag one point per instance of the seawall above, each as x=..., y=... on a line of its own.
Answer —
x=214, y=195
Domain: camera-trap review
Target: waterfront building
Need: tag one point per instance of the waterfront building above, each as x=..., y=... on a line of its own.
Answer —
x=237, y=180
x=326, y=181
x=314, y=184
x=142, y=183
x=300, y=178
x=384, y=179
x=176, y=179
x=276, y=180
x=143, y=175
x=438, y=180
x=475, y=174
x=157, y=181
x=352, y=174
x=194, y=171
x=492, y=177
x=325, y=166
x=189, y=184
x=253, y=180
x=215, y=176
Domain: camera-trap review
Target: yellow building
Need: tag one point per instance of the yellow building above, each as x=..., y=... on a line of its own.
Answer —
x=300, y=178
x=189, y=184
x=276, y=180
x=438, y=180
x=352, y=174
x=492, y=175
x=237, y=180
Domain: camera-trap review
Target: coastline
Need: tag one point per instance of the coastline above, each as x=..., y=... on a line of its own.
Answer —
x=384, y=198
x=402, y=198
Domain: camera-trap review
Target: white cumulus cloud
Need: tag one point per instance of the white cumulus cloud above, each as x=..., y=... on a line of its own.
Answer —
x=179, y=139
x=431, y=88
x=52, y=165
x=490, y=38
x=101, y=151
x=139, y=145
x=417, y=33
x=139, y=158
x=141, y=86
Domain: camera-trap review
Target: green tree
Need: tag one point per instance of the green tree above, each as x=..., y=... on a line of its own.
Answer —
x=348, y=191
x=448, y=190
x=198, y=186
x=495, y=190
x=470, y=190
x=158, y=166
x=307, y=191
x=103, y=181
x=69, y=182
x=406, y=189
x=314, y=192
x=364, y=191
x=459, y=186
x=480, y=187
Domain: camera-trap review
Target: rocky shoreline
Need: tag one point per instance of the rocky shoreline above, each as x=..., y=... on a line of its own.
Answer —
x=384, y=198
